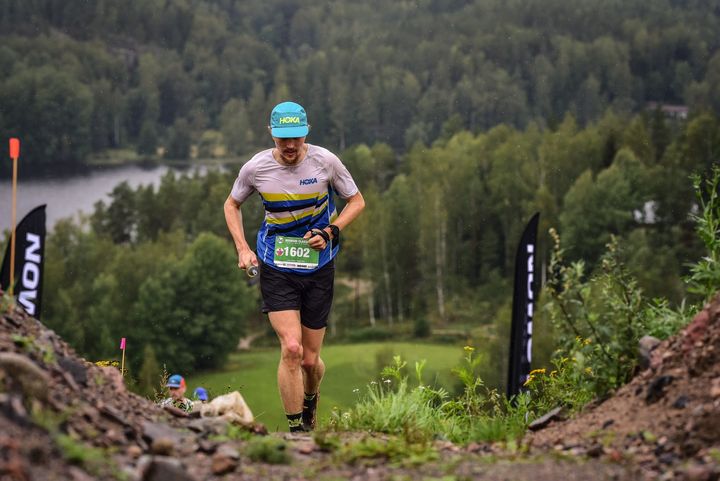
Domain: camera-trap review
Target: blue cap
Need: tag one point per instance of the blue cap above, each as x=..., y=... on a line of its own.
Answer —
x=200, y=393
x=176, y=380
x=288, y=120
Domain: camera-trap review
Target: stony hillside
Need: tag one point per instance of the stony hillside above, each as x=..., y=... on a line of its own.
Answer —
x=62, y=417
x=667, y=419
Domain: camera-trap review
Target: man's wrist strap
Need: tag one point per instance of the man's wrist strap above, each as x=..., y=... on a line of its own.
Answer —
x=335, y=230
x=321, y=233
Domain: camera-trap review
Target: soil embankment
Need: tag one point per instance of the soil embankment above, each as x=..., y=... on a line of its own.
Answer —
x=667, y=419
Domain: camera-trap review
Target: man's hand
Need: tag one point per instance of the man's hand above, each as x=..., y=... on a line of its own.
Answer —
x=316, y=241
x=233, y=218
x=246, y=258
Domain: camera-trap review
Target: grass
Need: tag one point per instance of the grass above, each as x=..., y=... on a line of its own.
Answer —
x=268, y=449
x=420, y=413
x=349, y=368
x=395, y=449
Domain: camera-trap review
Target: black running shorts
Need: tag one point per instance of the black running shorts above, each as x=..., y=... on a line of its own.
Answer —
x=311, y=294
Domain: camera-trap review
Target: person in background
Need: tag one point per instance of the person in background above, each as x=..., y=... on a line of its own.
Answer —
x=176, y=386
x=296, y=248
x=200, y=394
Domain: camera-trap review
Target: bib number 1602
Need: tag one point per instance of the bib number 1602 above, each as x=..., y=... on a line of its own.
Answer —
x=294, y=253
x=303, y=252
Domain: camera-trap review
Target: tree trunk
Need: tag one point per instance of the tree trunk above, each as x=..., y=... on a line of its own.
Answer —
x=440, y=248
x=371, y=304
x=356, y=300
x=400, y=316
x=116, y=130
x=386, y=278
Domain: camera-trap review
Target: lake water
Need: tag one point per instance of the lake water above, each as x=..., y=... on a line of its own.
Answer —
x=67, y=195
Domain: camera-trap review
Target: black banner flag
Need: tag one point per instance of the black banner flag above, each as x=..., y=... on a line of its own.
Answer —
x=29, y=256
x=523, y=309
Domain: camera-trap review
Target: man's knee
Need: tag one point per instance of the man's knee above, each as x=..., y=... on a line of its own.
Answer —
x=292, y=354
x=310, y=360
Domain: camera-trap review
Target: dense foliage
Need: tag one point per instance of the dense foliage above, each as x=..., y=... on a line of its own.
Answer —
x=170, y=282
x=599, y=319
x=79, y=77
x=435, y=245
x=441, y=228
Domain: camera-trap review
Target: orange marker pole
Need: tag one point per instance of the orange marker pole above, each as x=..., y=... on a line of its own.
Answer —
x=14, y=154
x=122, y=365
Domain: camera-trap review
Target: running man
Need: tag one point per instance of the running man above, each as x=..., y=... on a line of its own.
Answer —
x=296, y=246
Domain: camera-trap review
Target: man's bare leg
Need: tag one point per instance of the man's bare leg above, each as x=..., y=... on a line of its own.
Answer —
x=313, y=370
x=290, y=374
x=312, y=365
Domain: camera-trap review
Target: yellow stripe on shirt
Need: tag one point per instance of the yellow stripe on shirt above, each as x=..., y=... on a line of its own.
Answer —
x=279, y=197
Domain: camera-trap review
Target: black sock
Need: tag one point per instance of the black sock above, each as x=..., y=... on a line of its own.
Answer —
x=310, y=400
x=309, y=404
x=295, y=422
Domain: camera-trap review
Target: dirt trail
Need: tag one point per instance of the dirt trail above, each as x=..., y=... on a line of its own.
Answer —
x=64, y=418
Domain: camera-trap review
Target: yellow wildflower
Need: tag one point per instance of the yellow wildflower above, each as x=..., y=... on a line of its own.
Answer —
x=537, y=371
x=587, y=341
x=588, y=370
x=107, y=363
x=530, y=379
x=469, y=348
x=553, y=373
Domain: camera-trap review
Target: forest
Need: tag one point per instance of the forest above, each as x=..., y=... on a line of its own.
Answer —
x=458, y=120
x=182, y=78
x=433, y=252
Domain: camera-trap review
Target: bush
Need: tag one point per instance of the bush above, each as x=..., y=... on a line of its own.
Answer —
x=421, y=328
x=448, y=339
x=367, y=334
x=704, y=276
x=605, y=313
x=566, y=385
x=662, y=321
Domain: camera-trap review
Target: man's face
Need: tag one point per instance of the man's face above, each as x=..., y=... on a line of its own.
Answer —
x=177, y=392
x=290, y=150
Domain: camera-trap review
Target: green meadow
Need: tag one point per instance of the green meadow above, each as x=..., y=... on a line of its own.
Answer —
x=349, y=369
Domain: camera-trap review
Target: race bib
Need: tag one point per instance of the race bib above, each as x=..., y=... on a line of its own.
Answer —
x=294, y=252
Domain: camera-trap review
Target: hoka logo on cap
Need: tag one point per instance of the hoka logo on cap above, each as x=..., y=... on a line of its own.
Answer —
x=288, y=120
